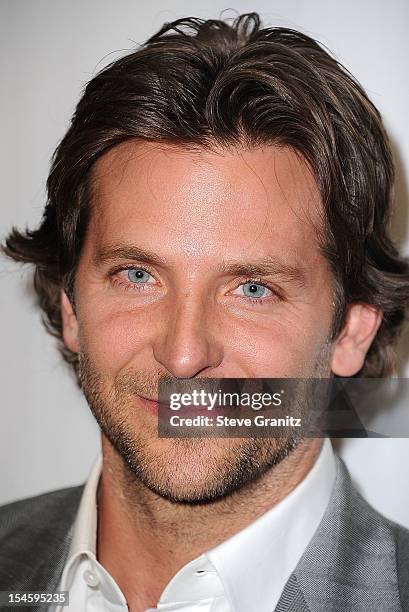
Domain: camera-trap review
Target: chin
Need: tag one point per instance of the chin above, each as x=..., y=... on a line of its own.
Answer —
x=198, y=470
x=182, y=470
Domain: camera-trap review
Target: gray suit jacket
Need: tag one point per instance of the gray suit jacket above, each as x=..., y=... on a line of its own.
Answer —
x=357, y=561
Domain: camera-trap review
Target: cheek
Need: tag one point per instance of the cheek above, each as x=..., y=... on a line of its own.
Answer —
x=112, y=338
x=285, y=347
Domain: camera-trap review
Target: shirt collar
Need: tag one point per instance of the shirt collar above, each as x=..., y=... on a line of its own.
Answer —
x=255, y=563
x=84, y=538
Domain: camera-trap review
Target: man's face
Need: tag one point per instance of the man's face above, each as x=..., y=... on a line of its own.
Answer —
x=198, y=264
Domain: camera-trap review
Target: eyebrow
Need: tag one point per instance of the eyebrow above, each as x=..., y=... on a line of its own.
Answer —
x=269, y=266
x=113, y=253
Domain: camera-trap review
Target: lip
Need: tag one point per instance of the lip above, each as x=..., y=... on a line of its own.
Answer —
x=153, y=406
x=150, y=405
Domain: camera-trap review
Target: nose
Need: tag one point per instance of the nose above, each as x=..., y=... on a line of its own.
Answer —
x=186, y=343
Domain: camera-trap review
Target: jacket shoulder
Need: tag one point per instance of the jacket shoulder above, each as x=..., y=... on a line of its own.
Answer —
x=386, y=544
x=40, y=511
x=32, y=531
x=358, y=559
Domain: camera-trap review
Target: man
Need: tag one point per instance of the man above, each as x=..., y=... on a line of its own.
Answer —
x=218, y=208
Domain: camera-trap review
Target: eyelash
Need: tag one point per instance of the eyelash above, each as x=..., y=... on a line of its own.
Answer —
x=141, y=286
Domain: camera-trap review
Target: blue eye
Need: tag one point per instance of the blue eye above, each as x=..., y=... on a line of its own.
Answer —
x=137, y=275
x=254, y=290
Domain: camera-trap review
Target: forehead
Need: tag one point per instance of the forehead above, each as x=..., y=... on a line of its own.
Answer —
x=200, y=203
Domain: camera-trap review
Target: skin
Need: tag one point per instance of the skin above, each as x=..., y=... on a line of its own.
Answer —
x=196, y=210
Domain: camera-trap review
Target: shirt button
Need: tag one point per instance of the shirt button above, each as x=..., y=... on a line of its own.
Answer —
x=91, y=578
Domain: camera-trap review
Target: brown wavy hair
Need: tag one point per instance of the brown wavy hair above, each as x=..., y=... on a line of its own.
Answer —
x=207, y=83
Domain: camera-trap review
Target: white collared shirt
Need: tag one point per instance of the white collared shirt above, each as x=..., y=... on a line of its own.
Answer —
x=247, y=571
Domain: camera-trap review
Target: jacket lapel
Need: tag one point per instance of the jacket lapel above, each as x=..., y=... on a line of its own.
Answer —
x=292, y=599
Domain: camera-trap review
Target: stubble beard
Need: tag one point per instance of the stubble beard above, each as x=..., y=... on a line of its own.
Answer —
x=181, y=470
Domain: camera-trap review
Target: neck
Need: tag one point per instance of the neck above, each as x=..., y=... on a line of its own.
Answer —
x=144, y=539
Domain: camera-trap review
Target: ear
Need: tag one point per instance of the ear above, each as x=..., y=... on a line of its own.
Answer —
x=352, y=345
x=69, y=323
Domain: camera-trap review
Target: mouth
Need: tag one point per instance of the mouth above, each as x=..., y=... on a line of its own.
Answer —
x=152, y=405
x=163, y=410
